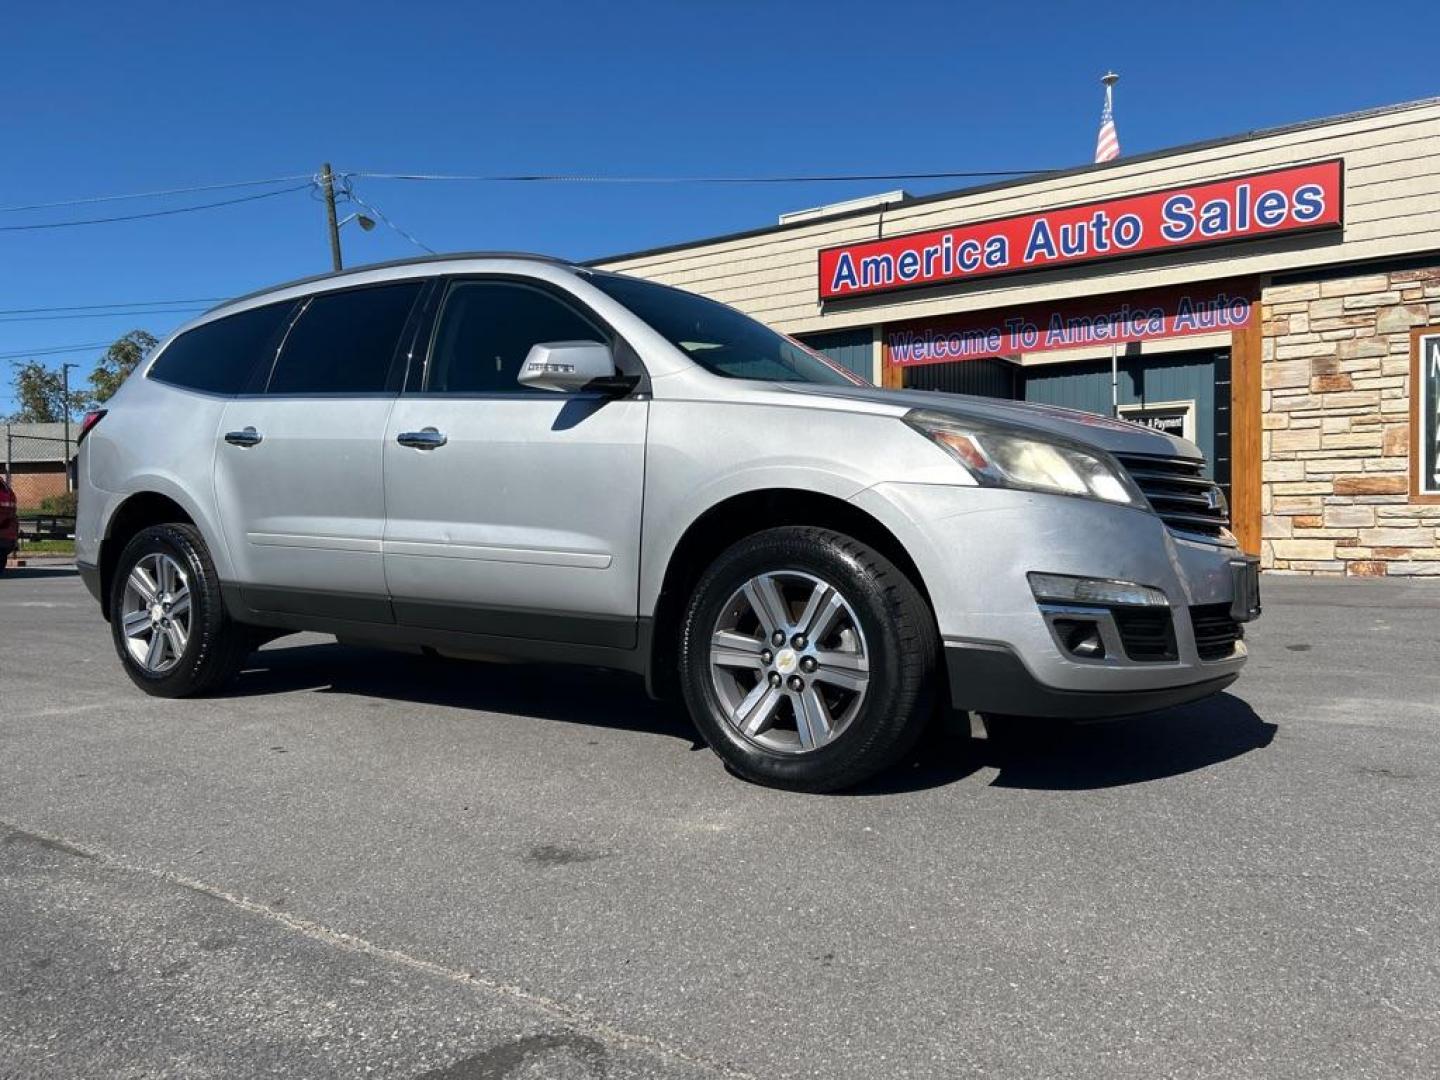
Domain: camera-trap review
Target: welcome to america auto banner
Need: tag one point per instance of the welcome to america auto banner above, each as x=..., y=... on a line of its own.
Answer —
x=1107, y=320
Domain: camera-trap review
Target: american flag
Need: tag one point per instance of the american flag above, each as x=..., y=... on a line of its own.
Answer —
x=1107, y=144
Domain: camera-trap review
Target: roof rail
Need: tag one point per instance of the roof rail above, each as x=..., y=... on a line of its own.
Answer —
x=418, y=260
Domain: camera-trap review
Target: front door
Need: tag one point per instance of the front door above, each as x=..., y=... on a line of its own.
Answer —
x=299, y=469
x=511, y=511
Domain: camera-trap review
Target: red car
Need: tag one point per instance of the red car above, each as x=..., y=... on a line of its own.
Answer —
x=9, y=524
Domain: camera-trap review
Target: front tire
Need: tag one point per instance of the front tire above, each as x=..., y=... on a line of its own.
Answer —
x=168, y=620
x=807, y=659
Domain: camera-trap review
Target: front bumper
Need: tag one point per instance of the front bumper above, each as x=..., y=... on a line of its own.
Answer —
x=973, y=548
x=992, y=679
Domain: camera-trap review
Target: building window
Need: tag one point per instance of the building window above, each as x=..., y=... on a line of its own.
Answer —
x=1425, y=432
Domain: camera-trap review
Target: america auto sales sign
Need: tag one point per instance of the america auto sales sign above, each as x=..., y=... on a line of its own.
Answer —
x=1279, y=202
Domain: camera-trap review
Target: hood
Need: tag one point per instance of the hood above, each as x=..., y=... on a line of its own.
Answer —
x=1116, y=436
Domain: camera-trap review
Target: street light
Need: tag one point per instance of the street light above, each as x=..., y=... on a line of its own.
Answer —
x=360, y=219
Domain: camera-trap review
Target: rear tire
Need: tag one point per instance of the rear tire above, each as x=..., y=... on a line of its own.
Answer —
x=807, y=659
x=167, y=618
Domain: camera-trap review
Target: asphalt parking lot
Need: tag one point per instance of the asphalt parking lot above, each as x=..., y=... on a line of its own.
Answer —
x=363, y=864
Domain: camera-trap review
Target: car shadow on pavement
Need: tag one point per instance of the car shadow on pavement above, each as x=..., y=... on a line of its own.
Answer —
x=1034, y=754
x=1058, y=756
x=1134, y=749
x=575, y=695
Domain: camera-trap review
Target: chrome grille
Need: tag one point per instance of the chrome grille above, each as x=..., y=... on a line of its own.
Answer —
x=1179, y=492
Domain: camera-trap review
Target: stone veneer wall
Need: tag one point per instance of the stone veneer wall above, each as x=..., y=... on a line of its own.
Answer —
x=1336, y=419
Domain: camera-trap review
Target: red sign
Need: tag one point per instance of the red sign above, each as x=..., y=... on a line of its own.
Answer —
x=1148, y=316
x=1282, y=201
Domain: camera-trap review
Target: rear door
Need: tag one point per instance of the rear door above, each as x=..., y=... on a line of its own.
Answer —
x=516, y=512
x=298, y=472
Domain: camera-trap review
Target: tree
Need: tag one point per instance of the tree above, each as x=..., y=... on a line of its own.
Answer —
x=40, y=391
x=119, y=361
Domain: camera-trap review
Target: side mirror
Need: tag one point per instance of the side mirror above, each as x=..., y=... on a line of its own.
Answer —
x=568, y=365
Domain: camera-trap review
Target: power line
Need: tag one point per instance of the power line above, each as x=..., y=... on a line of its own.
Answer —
x=381, y=215
x=100, y=315
x=563, y=178
x=154, y=194
x=54, y=350
x=153, y=213
x=117, y=304
x=568, y=178
x=559, y=178
x=526, y=178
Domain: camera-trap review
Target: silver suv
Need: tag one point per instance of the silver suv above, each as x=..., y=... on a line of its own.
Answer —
x=510, y=455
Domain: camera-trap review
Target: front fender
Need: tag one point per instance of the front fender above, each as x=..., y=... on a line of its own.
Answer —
x=663, y=536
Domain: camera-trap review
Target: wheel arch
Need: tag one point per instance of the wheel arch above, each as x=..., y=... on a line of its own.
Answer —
x=138, y=511
x=732, y=519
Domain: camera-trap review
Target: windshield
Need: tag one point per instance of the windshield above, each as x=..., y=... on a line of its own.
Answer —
x=719, y=338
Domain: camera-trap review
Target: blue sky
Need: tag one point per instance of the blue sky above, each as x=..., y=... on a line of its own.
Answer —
x=108, y=98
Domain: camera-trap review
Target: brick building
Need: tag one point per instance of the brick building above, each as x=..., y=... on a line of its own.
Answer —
x=34, y=460
x=1275, y=297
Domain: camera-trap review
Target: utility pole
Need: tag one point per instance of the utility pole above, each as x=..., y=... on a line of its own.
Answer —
x=327, y=186
x=65, y=408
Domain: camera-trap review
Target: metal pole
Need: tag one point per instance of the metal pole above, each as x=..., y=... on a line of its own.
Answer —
x=1114, y=381
x=9, y=454
x=65, y=408
x=327, y=187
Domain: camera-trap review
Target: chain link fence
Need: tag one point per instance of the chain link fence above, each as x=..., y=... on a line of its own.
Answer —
x=35, y=462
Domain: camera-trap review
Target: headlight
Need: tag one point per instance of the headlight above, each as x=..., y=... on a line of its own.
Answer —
x=1000, y=457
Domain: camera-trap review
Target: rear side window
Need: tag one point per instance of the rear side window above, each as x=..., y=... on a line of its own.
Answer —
x=344, y=342
x=219, y=356
x=486, y=330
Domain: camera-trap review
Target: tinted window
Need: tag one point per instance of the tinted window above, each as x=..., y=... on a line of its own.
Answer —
x=486, y=330
x=219, y=356
x=344, y=342
x=721, y=339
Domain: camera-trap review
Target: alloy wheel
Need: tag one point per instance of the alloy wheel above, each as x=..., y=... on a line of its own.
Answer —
x=789, y=662
x=155, y=614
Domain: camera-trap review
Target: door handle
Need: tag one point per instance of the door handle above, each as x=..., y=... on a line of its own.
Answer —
x=424, y=439
x=246, y=437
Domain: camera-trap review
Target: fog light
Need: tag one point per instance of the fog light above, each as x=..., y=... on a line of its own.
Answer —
x=1081, y=638
x=1060, y=588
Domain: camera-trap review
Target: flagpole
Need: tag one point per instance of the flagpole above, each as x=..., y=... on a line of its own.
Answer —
x=1109, y=79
